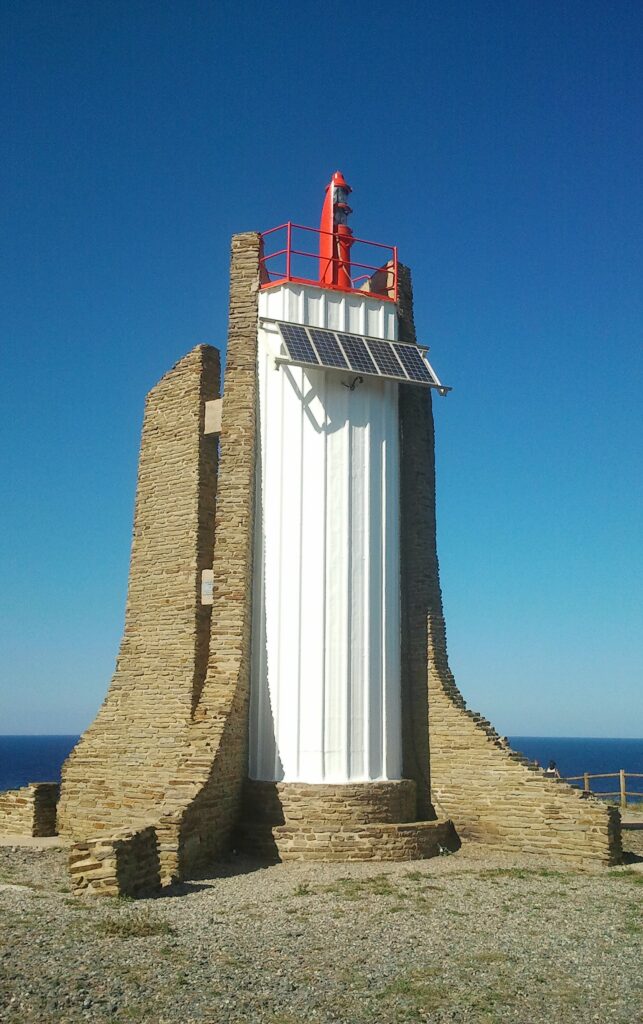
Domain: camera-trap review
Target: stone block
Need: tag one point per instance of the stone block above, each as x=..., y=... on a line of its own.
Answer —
x=29, y=811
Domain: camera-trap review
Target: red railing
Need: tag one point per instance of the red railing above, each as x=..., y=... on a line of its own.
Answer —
x=286, y=258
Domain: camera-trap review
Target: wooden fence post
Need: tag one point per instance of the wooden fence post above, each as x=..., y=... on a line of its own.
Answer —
x=623, y=789
x=586, y=782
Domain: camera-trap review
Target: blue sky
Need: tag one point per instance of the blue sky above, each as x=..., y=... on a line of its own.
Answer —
x=497, y=143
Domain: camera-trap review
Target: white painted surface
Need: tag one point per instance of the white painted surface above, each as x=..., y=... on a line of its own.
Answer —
x=338, y=311
x=325, y=697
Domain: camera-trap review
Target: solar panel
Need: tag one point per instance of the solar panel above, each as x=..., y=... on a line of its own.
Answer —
x=298, y=344
x=330, y=354
x=375, y=357
x=384, y=355
x=413, y=363
x=357, y=354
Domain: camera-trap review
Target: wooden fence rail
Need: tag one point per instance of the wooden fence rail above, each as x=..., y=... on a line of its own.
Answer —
x=621, y=775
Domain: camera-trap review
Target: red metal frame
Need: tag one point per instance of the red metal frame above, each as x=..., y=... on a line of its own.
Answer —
x=273, y=278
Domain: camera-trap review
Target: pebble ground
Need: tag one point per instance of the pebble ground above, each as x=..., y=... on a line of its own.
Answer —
x=472, y=937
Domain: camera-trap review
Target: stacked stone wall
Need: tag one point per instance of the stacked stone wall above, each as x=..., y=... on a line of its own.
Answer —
x=377, y=842
x=417, y=533
x=497, y=796
x=355, y=821
x=491, y=793
x=30, y=810
x=353, y=803
x=126, y=863
x=169, y=747
x=120, y=772
x=203, y=801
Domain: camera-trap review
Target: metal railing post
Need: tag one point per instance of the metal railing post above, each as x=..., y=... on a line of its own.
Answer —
x=288, y=247
x=395, y=284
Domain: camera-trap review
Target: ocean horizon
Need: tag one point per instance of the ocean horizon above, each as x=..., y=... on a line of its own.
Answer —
x=25, y=759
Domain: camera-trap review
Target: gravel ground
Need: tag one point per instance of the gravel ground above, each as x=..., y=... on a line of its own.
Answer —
x=469, y=937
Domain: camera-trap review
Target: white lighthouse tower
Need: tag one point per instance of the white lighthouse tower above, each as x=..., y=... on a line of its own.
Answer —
x=325, y=704
x=298, y=704
x=283, y=686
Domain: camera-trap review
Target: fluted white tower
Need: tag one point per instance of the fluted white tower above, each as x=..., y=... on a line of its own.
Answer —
x=325, y=692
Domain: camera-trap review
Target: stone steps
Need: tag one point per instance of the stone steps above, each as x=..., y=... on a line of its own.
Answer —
x=415, y=840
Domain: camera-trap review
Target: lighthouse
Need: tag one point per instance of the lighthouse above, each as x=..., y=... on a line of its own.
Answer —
x=282, y=688
x=326, y=660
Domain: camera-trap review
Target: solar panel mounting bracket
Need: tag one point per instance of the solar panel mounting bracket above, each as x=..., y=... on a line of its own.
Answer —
x=334, y=349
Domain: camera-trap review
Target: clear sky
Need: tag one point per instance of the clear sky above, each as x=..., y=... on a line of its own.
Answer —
x=497, y=142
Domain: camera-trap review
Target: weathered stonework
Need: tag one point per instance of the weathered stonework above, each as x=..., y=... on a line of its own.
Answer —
x=358, y=803
x=492, y=794
x=121, y=770
x=319, y=842
x=203, y=800
x=125, y=863
x=29, y=811
x=418, y=569
x=495, y=795
x=357, y=821
x=169, y=748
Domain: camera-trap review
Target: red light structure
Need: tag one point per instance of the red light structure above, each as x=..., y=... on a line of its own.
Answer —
x=336, y=238
x=335, y=259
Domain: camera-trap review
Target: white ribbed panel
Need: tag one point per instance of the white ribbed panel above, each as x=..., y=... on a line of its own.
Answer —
x=338, y=311
x=325, y=698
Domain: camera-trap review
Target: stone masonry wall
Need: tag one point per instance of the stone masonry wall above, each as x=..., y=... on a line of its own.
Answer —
x=169, y=749
x=358, y=821
x=359, y=803
x=343, y=842
x=491, y=793
x=203, y=800
x=29, y=811
x=495, y=795
x=120, y=771
x=416, y=840
x=417, y=533
x=125, y=863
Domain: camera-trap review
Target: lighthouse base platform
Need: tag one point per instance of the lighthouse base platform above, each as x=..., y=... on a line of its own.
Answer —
x=353, y=822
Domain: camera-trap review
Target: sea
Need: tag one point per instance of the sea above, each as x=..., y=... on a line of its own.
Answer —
x=26, y=759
